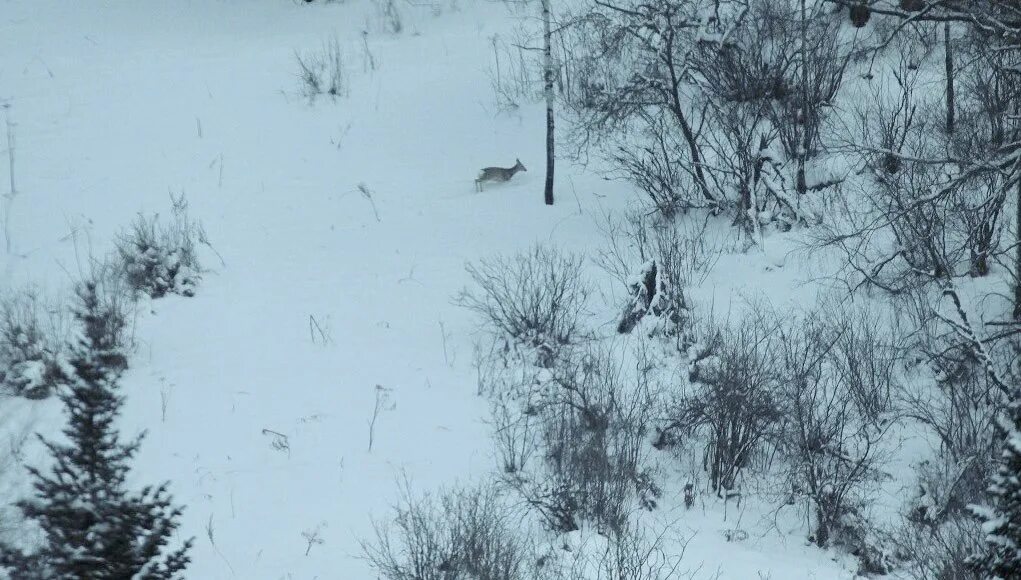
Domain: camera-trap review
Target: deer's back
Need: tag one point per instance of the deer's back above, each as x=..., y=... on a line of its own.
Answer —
x=496, y=174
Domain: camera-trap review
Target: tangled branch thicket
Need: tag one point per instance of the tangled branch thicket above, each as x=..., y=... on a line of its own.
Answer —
x=574, y=445
x=461, y=533
x=535, y=298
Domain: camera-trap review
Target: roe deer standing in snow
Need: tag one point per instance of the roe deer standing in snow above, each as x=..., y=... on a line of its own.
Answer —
x=498, y=174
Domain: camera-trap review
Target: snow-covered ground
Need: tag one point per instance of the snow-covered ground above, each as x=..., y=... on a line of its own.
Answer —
x=257, y=393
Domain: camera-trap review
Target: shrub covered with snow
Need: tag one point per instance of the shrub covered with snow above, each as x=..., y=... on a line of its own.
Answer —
x=671, y=258
x=158, y=258
x=573, y=442
x=938, y=549
x=32, y=349
x=730, y=399
x=1001, y=518
x=833, y=440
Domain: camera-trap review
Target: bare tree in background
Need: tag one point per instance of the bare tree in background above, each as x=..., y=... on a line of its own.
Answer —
x=995, y=24
x=547, y=91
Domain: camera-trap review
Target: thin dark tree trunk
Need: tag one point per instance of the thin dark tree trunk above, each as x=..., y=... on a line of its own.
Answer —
x=548, y=92
x=689, y=135
x=1017, y=222
x=677, y=109
x=948, y=49
x=696, y=157
x=802, y=183
x=1017, y=256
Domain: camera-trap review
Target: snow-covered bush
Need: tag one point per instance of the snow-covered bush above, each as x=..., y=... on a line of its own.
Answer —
x=953, y=397
x=535, y=298
x=730, y=400
x=938, y=552
x=32, y=346
x=938, y=534
x=323, y=71
x=157, y=258
x=831, y=439
x=959, y=409
x=671, y=257
x=575, y=446
x=459, y=534
x=1000, y=557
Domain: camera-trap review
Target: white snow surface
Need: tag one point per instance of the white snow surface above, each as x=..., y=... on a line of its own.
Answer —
x=257, y=393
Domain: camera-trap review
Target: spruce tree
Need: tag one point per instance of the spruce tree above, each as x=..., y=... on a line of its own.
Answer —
x=1001, y=521
x=94, y=527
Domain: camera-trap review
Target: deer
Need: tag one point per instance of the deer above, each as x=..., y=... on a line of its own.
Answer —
x=498, y=174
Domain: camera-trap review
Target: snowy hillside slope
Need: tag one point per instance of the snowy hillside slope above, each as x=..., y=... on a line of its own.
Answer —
x=341, y=229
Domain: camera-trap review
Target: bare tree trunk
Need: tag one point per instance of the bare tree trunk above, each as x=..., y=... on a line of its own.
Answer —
x=948, y=49
x=696, y=157
x=1017, y=226
x=802, y=183
x=677, y=109
x=1017, y=256
x=548, y=92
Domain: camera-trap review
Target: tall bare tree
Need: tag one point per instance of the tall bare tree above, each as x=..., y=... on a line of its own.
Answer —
x=547, y=90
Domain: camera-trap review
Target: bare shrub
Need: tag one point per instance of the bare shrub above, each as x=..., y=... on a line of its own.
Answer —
x=757, y=62
x=649, y=153
x=935, y=212
x=642, y=117
x=978, y=204
x=462, y=533
x=975, y=214
x=515, y=425
x=157, y=258
x=589, y=462
x=632, y=554
x=866, y=359
x=33, y=341
x=535, y=298
x=690, y=114
x=953, y=394
x=323, y=72
x=831, y=439
x=941, y=552
x=800, y=112
x=731, y=399
x=887, y=126
x=773, y=79
x=959, y=406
